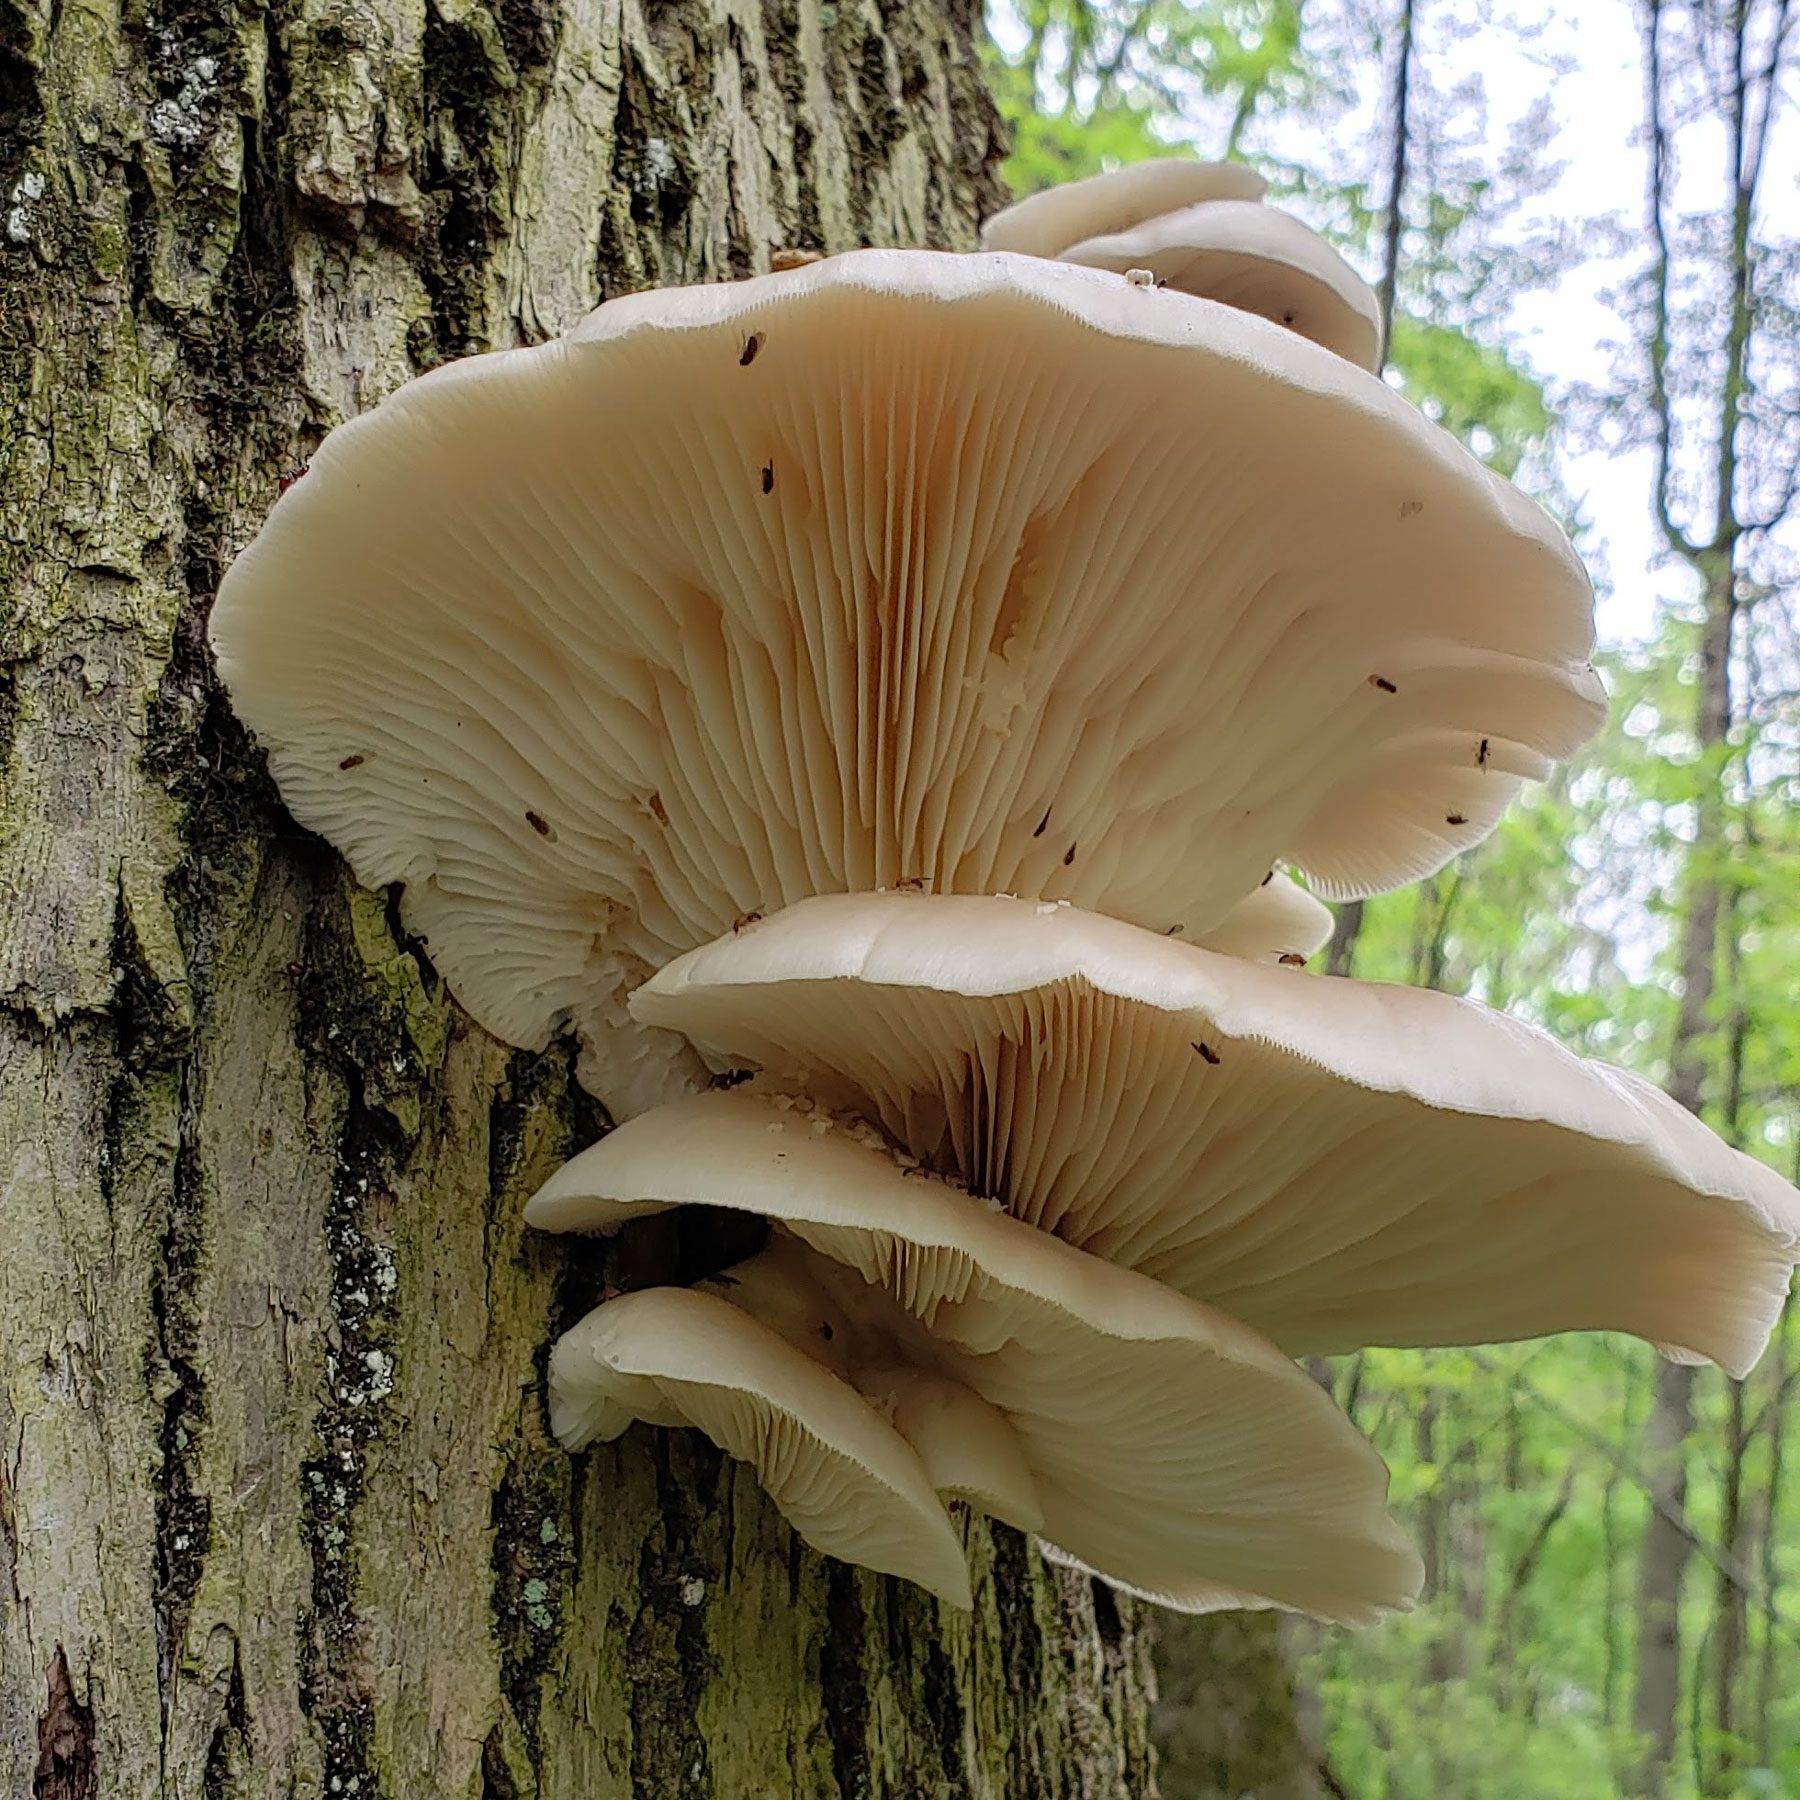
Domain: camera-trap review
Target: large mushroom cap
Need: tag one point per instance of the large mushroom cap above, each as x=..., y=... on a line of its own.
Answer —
x=1171, y=1449
x=1255, y=257
x=978, y=571
x=1046, y=223
x=1339, y=1163
x=841, y=1475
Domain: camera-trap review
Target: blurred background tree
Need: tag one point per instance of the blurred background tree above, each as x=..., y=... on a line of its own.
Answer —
x=1585, y=219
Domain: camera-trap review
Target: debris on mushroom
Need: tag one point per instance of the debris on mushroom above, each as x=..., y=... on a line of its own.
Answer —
x=1220, y=245
x=1036, y=549
x=842, y=1476
x=1337, y=1163
x=1168, y=1447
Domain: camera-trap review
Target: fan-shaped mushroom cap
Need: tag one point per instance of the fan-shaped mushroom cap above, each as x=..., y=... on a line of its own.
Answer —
x=978, y=570
x=1276, y=922
x=1046, y=223
x=841, y=1475
x=1339, y=1163
x=1171, y=1448
x=1256, y=258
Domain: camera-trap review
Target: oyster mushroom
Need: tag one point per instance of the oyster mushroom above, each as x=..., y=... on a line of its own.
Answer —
x=1196, y=228
x=978, y=572
x=1165, y=1446
x=1338, y=1163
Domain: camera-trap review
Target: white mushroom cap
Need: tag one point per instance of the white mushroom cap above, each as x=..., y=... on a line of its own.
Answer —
x=841, y=1475
x=1171, y=1449
x=1256, y=258
x=979, y=570
x=1046, y=223
x=1276, y=922
x=1338, y=1163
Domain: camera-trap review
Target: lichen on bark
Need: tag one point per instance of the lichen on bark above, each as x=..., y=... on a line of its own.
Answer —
x=278, y=1509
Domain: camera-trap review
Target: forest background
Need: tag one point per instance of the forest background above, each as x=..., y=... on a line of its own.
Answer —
x=1585, y=219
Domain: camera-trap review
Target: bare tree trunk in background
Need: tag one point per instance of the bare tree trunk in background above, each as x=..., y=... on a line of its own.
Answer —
x=1230, y=1720
x=1713, y=557
x=278, y=1513
x=1730, y=1628
x=1778, y=1364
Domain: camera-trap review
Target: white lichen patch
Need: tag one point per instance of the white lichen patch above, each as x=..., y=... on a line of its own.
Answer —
x=27, y=191
x=182, y=121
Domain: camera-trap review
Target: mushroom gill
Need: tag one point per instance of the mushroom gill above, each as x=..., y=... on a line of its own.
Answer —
x=1165, y=1445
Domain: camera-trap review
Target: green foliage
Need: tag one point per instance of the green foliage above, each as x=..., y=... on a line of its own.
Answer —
x=1088, y=85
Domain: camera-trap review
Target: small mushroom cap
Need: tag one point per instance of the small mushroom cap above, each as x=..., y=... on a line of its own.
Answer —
x=1046, y=223
x=1171, y=1448
x=841, y=1475
x=1339, y=1163
x=978, y=570
x=1279, y=919
x=1256, y=258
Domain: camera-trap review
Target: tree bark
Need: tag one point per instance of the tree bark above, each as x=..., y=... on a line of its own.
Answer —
x=278, y=1510
x=1231, y=1719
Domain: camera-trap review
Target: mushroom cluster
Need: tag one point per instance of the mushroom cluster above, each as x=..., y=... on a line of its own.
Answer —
x=880, y=709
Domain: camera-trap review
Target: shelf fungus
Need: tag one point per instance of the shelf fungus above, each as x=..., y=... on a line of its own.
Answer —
x=1337, y=1163
x=1202, y=229
x=933, y=694
x=1157, y=1441
x=1057, y=590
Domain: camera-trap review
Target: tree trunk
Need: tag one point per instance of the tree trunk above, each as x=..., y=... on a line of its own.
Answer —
x=278, y=1511
x=1231, y=1719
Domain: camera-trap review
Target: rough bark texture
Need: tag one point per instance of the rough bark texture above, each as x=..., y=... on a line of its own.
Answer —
x=278, y=1513
x=1231, y=1720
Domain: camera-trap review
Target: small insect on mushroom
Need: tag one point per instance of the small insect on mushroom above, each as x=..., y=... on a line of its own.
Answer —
x=752, y=344
x=768, y=478
x=1042, y=824
x=1481, y=755
x=1207, y=1054
x=730, y=1078
x=744, y=921
x=353, y=762
x=655, y=803
x=1068, y=856
x=1291, y=959
x=540, y=825
x=910, y=884
x=1456, y=818
x=288, y=480
x=1382, y=682
x=1173, y=931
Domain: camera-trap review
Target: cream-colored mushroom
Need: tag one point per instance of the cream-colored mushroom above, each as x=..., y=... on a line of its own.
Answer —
x=983, y=572
x=1201, y=229
x=1047, y=222
x=1276, y=922
x=1256, y=258
x=1168, y=1447
x=841, y=1475
x=1338, y=1163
